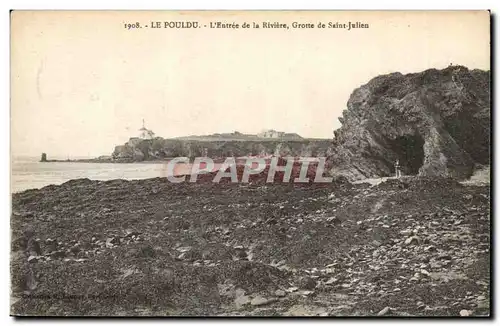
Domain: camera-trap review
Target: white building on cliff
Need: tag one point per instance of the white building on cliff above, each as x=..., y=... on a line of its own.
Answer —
x=271, y=133
x=145, y=133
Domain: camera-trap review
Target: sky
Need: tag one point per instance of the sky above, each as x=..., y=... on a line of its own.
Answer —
x=81, y=82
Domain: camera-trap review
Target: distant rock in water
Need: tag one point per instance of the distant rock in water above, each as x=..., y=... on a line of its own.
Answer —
x=44, y=157
x=436, y=123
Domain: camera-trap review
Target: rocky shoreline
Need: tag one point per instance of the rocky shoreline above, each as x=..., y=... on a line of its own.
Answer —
x=98, y=160
x=434, y=122
x=408, y=247
x=413, y=246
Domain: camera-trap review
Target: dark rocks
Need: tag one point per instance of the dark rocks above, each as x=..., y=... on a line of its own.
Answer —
x=430, y=248
x=148, y=252
x=50, y=245
x=307, y=283
x=352, y=271
x=240, y=254
x=113, y=241
x=75, y=249
x=334, y=221
x=34, y=247
x=440, y=127
x=189, y=254
x=412, y=240
x=58, y=254
x=331, y=280
x=445, y=257
x=132, y=234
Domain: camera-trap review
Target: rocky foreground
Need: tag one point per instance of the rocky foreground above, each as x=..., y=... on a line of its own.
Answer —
x=409, y=247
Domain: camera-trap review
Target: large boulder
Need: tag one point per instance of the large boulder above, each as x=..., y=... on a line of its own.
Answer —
x=436, y=123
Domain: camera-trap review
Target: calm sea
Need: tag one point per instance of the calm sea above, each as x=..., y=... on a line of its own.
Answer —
x=28, y=173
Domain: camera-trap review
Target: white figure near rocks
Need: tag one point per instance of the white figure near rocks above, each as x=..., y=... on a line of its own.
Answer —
x=396, y=167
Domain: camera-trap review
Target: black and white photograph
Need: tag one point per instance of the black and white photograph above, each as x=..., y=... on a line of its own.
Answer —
x=280, y=163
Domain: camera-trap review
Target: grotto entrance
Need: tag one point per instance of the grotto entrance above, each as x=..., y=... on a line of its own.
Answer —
x=410, y=152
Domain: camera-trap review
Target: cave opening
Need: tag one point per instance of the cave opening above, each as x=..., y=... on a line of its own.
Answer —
x=410, y=152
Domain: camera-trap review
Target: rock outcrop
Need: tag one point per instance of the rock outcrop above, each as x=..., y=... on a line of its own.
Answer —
x=436, y=123
x=137, y=150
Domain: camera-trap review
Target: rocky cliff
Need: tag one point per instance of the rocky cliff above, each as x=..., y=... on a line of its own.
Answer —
x=436, y=123
x=136, y=150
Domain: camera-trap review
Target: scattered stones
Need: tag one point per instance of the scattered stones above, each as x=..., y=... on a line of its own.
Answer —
x=260, y=301
x=430, y=248
x=183, y=249
x=130, y=234
x=483, y=304
x=33, y=259
x=424, y=272
x=413, y=256
x=334, y=220
x=50, y=245
x=412, y=240
x=328, y=270
x=465, y=313
x=241, y=300
x=75, y=249
x=34, y=247
x=307, y=283
x=384, y=311
x=58, y=254
x=240, y=254
x=331, y=280
x=445, y=257
x=298, y=310
x=113, y=241
x=279, y=293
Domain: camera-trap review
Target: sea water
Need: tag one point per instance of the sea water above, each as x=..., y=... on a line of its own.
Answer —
x=29, y=173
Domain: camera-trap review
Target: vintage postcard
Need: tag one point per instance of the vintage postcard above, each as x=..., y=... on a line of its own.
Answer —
x=250, y=163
